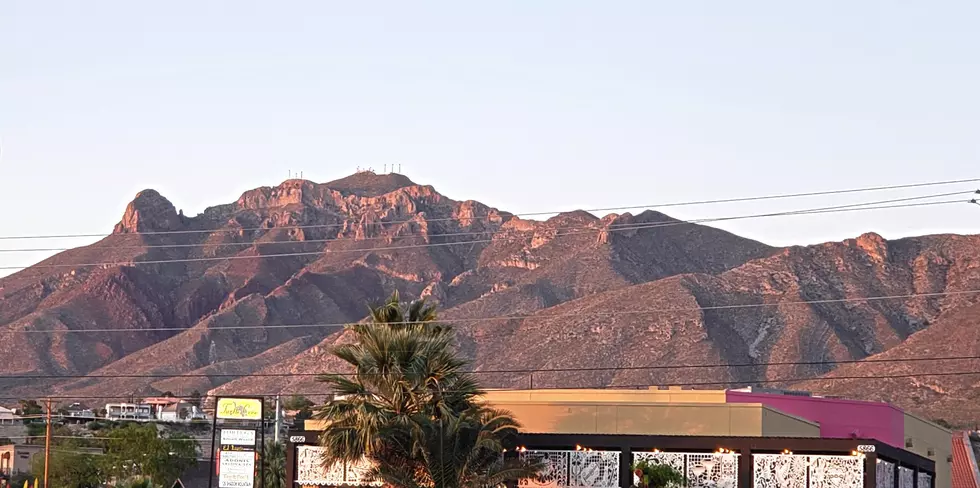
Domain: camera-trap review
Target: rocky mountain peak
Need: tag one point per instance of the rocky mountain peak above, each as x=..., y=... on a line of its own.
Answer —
x=148, y=212
x=370, y=184
x=874, y=245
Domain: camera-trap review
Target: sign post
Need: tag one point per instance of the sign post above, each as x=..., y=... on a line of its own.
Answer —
x=236, y=445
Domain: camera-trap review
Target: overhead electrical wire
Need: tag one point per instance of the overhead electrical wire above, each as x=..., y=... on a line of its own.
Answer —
x=626, y=227
x=587, y=369
x=542, y=316
x=851, y=207
x=606, y=209
x=598, y=387
x=671, y=222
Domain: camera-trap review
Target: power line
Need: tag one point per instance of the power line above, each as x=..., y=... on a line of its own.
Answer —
x=629, y=227
x=530, y=316
x=511, y=371
x=602, y=387
x=657, y=205
x=470, y=233
x=85, y=438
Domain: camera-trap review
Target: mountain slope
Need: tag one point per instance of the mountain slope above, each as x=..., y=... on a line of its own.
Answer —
x=186, y=295
x=804, y=304
x=249, y=297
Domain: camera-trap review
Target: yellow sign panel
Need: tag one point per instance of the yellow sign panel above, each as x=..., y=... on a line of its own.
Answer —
x=239, y=408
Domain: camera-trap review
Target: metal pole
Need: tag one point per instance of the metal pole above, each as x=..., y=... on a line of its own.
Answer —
x=262, y=456
x=47, y=444
x=442, y=467
x=214, y=432
x=278, y=420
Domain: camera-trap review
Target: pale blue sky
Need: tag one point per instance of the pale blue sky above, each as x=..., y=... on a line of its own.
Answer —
x=524, y=105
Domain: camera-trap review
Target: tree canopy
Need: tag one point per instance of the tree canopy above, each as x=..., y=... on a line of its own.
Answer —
x=142, y=451
x=70, y=467
x=412, y=408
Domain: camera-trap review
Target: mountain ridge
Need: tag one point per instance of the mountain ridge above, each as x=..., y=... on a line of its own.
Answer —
x=202, y=302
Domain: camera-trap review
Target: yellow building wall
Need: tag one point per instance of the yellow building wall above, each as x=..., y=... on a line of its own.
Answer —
x=926, y=436
x=708, y=419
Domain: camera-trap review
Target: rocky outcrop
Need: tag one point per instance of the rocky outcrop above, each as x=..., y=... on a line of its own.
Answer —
x=149, y=212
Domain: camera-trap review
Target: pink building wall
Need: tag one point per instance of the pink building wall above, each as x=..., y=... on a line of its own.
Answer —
x=837, y=418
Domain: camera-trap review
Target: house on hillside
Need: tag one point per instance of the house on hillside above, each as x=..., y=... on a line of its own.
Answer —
x=7, y=415
x=158, y=404
x=181, y=411
x=128, y=411
x=77, y=411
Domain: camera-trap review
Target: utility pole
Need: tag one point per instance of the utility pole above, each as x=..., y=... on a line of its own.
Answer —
x=47, y=443
x=278, y=419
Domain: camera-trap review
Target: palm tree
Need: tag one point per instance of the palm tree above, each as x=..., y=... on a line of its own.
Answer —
x=404, y=365
x=412, y=408
x=465, y=451
x=274, y=465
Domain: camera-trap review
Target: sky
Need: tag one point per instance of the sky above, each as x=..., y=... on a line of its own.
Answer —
x=528, y=106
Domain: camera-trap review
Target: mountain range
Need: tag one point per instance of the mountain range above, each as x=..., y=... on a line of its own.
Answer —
x=248, y=298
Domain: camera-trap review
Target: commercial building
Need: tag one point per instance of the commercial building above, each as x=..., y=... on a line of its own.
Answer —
x=766, y=439
x=17, y=458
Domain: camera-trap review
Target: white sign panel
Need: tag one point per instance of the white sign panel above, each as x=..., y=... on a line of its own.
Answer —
x=237, y=437
x=236, y=469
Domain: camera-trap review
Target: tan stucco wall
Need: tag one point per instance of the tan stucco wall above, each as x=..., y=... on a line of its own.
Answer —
x=925, y=436
x=779, y=424
x=651, y=412
x=592, y=396
x=745, y=419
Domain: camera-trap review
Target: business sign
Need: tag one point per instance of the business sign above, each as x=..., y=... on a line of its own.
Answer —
x=866, y=448
x=237, y=437
x=239, y=409
x=236, y=469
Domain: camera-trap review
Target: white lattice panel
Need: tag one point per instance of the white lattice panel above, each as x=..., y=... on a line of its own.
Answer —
x=357, y=474
x=885, y=474
x=712, y=470
x=310, y=470
x=672, y=459
x=554, y=468
x=574, y=469
x=780, y=471
x=594, y=469
x=906, y=477
x=836, y=472
x=703, y=470
x=925, y=481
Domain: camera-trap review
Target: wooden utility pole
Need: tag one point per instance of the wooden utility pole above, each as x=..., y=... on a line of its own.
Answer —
x=47, y=443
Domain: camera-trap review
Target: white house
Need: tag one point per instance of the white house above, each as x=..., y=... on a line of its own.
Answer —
x=128, y=411
x=181, y=412
x=6, y=415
